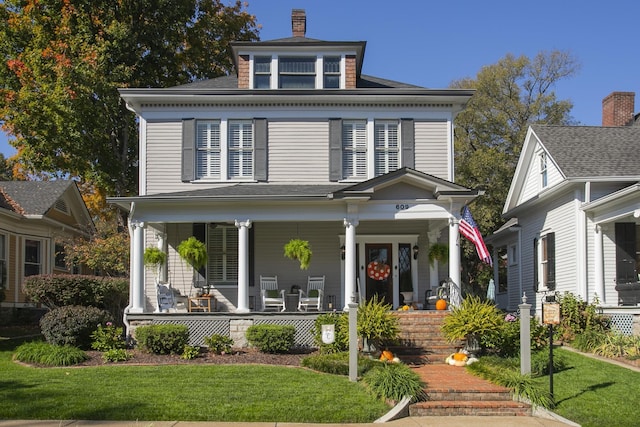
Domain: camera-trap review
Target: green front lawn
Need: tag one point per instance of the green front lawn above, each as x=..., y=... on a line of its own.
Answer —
x=186, y=393
x=593, y=393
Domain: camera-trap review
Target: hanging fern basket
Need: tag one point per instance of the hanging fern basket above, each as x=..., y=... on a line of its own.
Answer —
x=300, y=251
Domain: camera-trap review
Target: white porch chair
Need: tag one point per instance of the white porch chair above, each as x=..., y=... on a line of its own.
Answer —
x=270, y=295
x=442, y=292
x=165, y=298
x=313, y=297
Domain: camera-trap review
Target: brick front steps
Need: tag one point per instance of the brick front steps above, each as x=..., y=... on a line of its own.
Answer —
x=451, y=390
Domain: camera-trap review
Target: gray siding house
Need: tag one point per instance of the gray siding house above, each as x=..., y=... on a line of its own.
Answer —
x=572, y=214
x=299, y=144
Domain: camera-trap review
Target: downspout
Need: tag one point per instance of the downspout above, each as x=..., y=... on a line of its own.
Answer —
x=128, y=307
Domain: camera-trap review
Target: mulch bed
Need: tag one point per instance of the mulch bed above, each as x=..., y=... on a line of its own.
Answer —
x=243, y=356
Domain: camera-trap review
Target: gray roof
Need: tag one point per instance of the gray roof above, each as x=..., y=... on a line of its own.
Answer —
x=231, y=82
x=592, y=151
x=33, y=197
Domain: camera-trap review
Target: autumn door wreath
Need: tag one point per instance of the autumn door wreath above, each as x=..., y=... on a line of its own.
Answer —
x=378, y=271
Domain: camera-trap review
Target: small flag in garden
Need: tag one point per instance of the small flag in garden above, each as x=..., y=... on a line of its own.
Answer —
x=470, y=230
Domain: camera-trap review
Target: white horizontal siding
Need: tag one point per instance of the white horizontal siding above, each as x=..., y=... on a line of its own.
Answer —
x=533, y=181
x=163, y=160
x=432, y=147
x=298, y=151
x=562, y=221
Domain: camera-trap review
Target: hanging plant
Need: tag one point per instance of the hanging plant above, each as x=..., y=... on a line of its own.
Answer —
x=194, y=252
x=299, y=250
x=438, y=252
x=154, y=257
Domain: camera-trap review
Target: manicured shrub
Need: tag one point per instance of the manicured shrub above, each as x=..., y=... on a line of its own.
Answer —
x=61, y=290
x=218, y=344
x=394, y=381
x=43, y=353
x=162, y=339
x=72, y=325
x=190, y=352
x=271, y=338
x=108, y=337
x=337, y=363
x=116, y=355
x=341, y=342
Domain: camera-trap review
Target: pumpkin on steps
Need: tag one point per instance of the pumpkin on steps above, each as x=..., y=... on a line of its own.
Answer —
x=386, y=356
x=441, y=304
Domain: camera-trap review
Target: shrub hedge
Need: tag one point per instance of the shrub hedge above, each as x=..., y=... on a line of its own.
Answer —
x=72, y=325
x=162, y=339
x=272, y=338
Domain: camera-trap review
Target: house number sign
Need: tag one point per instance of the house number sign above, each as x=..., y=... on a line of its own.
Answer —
x=402, y=206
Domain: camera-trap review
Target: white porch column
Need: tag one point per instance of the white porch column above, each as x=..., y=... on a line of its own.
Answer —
x=136, y=289
x=455, y=297
x=598, y=260
x=243, y=266
x=350, y=261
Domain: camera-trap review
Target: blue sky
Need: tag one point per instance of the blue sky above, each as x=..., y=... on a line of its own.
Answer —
x=431, y=43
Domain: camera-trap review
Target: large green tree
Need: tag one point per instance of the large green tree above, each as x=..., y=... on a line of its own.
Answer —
x=62, y=61
x=510, y=95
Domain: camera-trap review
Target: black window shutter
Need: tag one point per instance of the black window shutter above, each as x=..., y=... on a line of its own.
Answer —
x=335, y=149
x=551, y=261
x=188, y=149
x=408, y=143
x=261, y=165
x=535, y=265
x=625, y=252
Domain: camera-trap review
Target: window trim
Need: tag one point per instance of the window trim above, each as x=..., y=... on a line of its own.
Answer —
x=385, y=149
x=39, y=263
x=544, y=169
x=546, y=262
x=319, y=73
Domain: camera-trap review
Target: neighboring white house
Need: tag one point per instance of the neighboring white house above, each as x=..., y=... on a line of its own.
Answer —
x=298, y=144
x=572, y=214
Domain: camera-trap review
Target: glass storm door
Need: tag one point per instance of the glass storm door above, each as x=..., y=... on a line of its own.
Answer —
x=379, y=277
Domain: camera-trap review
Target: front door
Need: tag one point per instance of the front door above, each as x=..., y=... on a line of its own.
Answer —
x=379, y=277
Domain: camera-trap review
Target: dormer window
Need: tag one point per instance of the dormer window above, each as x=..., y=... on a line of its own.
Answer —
x=262, y=72
x=297, y=72
x=331, y=72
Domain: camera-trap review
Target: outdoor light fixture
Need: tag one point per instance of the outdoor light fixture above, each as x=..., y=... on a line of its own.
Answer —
x=416, y=249
x=342, y=251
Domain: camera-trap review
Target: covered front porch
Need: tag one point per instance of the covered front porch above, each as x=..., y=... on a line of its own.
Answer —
x=393, y=219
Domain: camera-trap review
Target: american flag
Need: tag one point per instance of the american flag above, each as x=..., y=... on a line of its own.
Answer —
x=470, y=230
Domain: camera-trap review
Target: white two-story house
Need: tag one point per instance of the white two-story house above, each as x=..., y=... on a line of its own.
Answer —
x=572, y=215
x=299, y=144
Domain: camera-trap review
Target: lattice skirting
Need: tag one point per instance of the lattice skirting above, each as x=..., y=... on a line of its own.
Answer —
x=622, y=323
x=199, y=328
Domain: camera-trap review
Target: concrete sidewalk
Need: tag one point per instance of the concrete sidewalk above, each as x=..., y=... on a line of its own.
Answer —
x=404, y=422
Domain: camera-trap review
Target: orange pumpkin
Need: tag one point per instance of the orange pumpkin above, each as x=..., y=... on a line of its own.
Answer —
x=441, y=304
x=459, y=356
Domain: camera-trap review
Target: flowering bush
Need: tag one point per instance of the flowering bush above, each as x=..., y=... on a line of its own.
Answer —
x=107, y=338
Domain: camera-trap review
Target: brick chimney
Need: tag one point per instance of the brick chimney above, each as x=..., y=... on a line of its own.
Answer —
x=617, y=109
x=298, y=22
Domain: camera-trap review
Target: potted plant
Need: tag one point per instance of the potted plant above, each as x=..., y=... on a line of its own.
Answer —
x=470, y=321
x=377, y=325
x=438, y=252
x=154, y=257
x=299, y=250
x=194, y=252
x=406, y=286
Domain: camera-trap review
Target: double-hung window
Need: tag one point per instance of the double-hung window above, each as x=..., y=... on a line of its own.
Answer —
x=354, y=149
x=32, y=257
x=543, y=170
x=223, y=254
x=331, y=72
x=262, y=72
x=240, y=136
x=298, y=72
x=208, y=150
x=386, y=147
x=545, y=262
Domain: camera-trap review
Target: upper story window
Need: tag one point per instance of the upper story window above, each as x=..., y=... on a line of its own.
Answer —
x=262, y=72
x=240, y=149
x=297, y=72
x=545, y=262
x=215, y=160
x=331, y=72
x=32, y=257
x=354, y=149
x=543, y=170
x=387, y=150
